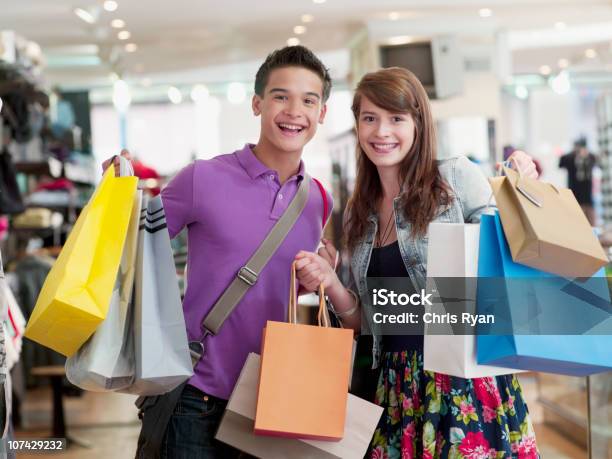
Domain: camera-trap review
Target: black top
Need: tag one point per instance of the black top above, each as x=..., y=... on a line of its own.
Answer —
x=580, y=175
x=387, y=261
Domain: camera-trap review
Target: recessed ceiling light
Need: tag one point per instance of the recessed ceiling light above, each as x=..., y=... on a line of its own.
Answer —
x=199, y=93
x=124, y=35
x=485, y=12
x=131, y=47
x=560, y=25
x=590, y=53
x=306, y=18
x=117, y=24
x=545, y=70
x=110, y=5
x=563, y=63
x=174, y=94
x=293, y=41
x=394, y=15
x=561, y=83
x=521, y=92
x=85, y=15
x=318, y=1
x=299, y=29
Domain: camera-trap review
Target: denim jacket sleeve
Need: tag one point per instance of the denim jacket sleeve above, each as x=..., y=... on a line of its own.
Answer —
x=472, y=189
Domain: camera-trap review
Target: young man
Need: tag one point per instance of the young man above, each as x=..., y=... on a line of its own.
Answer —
x=229, y=204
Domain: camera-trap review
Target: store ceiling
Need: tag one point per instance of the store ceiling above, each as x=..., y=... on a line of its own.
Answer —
x=180, y=35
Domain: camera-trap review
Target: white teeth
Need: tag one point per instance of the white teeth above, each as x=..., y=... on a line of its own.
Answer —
x=384, y=146
x=291, y=127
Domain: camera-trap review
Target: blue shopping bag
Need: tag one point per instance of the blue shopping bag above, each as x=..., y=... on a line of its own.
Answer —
x=543, y=322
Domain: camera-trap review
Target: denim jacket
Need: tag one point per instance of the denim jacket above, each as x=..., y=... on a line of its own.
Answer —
x=471, y=192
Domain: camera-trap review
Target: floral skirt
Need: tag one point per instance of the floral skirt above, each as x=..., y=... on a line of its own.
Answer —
x=430, y=415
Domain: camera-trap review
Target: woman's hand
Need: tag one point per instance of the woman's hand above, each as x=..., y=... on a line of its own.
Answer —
x=521, y=160
x=313, y=270
x=116, y=162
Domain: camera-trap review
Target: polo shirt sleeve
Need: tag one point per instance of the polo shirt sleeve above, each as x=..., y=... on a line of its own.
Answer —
x=177, y=198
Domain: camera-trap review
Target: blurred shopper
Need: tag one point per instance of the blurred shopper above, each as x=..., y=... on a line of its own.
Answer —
x=400, y=189
x=580, y=164
x=228, y=205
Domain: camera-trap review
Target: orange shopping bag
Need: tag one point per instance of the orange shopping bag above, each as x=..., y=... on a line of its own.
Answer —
x=304, y=376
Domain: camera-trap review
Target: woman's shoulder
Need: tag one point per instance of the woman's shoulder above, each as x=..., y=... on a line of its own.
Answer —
x=458, y=169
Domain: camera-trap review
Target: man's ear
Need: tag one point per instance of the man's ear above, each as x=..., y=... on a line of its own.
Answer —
x=323, y=113
x=256, y=105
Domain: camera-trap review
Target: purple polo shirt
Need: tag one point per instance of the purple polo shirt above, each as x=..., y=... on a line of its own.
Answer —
x=229, y=204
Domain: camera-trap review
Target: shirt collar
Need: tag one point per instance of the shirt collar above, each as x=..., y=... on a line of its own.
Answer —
x=254, y=167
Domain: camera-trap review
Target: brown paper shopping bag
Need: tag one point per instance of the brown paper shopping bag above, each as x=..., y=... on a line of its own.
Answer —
x=545, y=226
x=304, y=377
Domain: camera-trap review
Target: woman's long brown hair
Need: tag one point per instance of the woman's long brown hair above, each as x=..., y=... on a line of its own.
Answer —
x=397, y=90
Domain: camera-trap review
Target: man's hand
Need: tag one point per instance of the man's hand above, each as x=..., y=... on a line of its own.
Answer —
x=116, y=162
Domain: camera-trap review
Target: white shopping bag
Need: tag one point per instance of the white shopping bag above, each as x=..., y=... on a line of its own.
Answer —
x=160, y=337
x=106, y=361
x=238, y=423
x=452, y=252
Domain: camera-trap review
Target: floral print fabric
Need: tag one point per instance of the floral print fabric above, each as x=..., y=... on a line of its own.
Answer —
x=430, y=415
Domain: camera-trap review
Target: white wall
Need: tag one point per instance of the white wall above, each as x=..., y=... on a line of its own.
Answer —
x=167, y=136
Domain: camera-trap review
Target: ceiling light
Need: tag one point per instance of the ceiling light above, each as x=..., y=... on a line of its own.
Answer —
x=174, y=94
x=560, y=25
x=131, y=47
x=293, y=41
x=114, y=77
x=485, y=12
x=561, y=83
x=117, y=24
x=124, y=35
x=590, y=53
x=545, y=70
x=394, y=15
x=521, y=92
x=299, y=30
x=85, y=15
x=236, y=94
x=0, y=104
x=110, y=5
x=199, y=93
x=563, y=63
x=146, y=82
x=121, y=95
x=306, y=18
x=318, y=1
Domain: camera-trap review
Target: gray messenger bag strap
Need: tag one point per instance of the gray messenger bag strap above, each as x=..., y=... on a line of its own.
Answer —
x=155, y=411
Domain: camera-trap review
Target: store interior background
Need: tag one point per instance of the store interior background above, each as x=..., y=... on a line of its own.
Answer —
x=172, y=81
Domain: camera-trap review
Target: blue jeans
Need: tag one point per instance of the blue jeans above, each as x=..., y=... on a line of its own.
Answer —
x=192, y=428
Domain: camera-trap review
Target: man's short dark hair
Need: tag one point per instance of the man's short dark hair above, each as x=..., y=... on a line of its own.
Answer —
x=292, y=56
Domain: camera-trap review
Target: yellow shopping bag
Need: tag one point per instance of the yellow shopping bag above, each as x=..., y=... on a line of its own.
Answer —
x=75, y=296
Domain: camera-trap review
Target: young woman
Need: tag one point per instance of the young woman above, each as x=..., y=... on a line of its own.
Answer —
x=400, y=189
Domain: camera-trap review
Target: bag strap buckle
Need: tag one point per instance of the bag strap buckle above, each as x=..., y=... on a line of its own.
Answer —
x=247, y=275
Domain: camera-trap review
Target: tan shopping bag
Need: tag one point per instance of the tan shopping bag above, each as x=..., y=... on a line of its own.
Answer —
x=236, y=427
x=545, y=226
x=304, y=377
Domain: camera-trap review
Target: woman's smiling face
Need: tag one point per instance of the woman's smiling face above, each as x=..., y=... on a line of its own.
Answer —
x=385, y=137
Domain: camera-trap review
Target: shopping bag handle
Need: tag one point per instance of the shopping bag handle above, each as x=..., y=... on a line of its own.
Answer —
x=125, y=166
x=323, y=315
